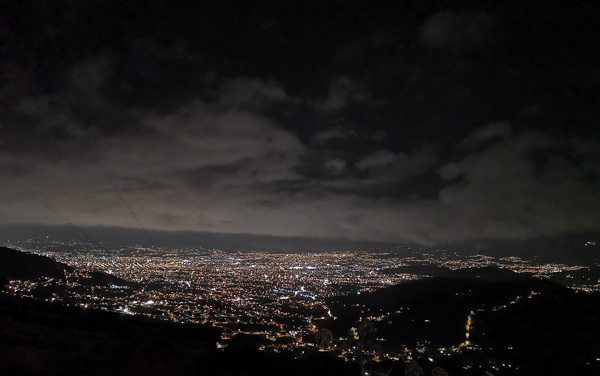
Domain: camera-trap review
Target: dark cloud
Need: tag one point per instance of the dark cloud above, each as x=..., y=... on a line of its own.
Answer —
x=343, y=91
x=377, y=158
x=251, y=92
x=372, y=123
x=503, y=190
x=336, y=133
x=66, y=119
x=489, y=133
x=464, y=30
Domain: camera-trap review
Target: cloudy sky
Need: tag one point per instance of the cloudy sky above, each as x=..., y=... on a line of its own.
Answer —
x=403, y=121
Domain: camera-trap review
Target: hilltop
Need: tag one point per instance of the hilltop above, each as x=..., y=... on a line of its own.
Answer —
x=19, y=265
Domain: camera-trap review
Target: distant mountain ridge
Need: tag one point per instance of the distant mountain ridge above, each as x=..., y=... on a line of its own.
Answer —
x=230, y=242
x=573, y=248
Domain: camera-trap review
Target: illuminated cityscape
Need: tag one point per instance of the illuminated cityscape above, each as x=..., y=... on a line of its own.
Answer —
x=277, y=297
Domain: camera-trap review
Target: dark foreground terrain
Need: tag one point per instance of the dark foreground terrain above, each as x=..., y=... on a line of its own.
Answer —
x=39, y=338
x=517, y=325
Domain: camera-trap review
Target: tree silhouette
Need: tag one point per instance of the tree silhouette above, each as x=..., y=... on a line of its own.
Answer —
x=323, y=338
x=413, y=368
x=364, y=346
x=439, y=371
x=366, y=332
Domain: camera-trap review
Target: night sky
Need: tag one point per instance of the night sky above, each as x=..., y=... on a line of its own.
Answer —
x=403, y=121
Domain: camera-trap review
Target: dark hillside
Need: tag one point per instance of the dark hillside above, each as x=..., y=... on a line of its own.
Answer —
x=39, y=338
x=550, y=334
x=436, y=309
x=25, y=266
x=519, y=326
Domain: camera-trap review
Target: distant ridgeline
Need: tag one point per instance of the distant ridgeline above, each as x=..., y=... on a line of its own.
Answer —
x=229, y=242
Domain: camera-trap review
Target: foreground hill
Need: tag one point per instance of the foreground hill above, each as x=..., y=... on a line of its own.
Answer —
x=435, y=309
x=518, y=326
x=39, y=338
x=554, y=333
